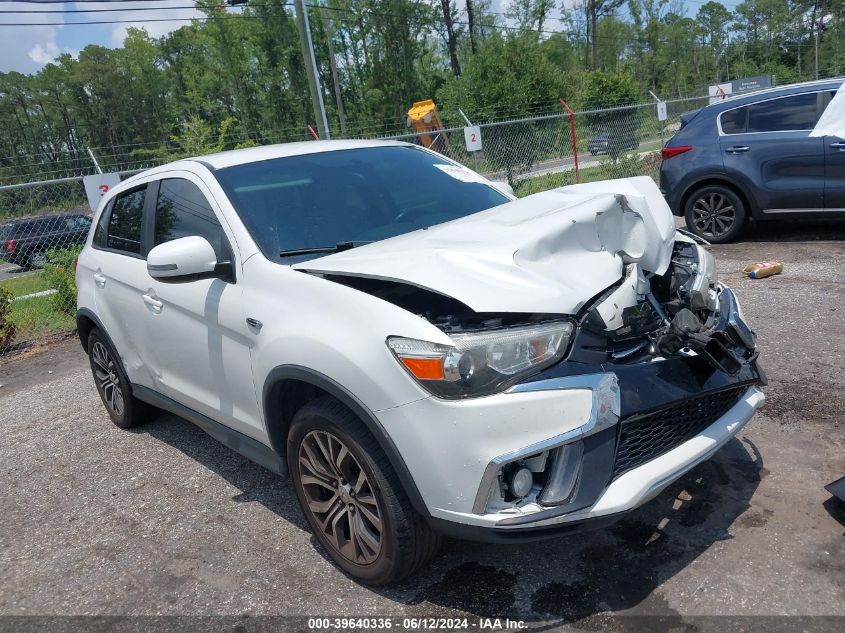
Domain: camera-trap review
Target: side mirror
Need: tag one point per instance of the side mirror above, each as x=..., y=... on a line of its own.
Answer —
x=185, y=259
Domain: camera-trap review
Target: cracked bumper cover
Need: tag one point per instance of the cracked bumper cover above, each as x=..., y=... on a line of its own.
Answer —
x=452, y=447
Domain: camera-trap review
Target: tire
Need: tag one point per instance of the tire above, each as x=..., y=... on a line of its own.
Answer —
x=339, y=509
x=112, y=384
x=35, y=260
x=716, y=213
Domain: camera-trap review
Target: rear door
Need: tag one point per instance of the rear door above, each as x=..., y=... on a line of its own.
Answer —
x=120, y=279
x=834, y=187
x=767, y=147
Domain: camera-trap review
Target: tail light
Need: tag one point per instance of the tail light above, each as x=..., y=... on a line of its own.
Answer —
x=671, y=152
x=10, y=246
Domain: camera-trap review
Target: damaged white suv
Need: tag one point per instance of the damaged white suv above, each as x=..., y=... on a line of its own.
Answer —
x=424, y=354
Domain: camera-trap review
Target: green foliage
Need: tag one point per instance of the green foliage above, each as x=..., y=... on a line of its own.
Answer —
x=506, y=76
x=60, y=275
x=7, y=328
x=612, y=90
x=225, y=82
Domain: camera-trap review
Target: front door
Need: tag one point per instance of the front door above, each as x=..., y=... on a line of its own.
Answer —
x=198, y=328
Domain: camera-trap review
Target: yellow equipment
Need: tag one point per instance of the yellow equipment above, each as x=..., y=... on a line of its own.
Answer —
x=425, y=121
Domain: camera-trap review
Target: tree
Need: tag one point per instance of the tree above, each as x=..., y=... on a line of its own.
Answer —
x=451, y=40
x=604, y=90
x=714, y=22
x=597, y=9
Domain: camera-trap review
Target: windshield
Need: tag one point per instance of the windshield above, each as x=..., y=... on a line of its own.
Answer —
x=348, y=197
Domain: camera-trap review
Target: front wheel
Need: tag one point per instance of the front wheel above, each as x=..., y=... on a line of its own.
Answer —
x=716, y=213
x=352, y=498
x=35, y=260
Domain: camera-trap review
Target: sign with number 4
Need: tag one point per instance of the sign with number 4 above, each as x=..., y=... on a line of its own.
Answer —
x=472, y=136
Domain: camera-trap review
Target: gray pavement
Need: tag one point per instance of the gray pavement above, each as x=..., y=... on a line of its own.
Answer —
x=164, y=520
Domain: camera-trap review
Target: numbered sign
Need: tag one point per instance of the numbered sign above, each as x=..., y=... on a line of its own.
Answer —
x=661, y=110
x=472, y=136
x=97, y=186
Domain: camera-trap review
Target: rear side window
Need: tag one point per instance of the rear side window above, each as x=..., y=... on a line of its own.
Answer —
x=125, y=222
x=797, y=112
x=182, y=210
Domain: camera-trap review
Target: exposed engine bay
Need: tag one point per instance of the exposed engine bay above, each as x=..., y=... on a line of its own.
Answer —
x=606, y=255
x=683, y=311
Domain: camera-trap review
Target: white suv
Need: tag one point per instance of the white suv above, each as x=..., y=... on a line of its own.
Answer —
x=423, y=353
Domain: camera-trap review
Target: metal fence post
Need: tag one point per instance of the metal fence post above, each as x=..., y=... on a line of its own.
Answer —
x=574, y=139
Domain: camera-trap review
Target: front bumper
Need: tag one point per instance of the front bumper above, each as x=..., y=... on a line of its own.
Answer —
x=451, y=447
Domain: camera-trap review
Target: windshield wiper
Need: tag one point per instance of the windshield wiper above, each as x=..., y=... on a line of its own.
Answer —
x=314, y=250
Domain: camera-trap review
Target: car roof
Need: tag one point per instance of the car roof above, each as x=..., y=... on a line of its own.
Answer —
x=777, y=91
x=221, y=160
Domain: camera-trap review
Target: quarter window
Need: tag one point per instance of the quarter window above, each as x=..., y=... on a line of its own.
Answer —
x=125, y=222
x=182, y=210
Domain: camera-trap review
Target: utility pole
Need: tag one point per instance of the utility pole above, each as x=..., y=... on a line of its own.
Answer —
x=311, y=70
x=341, y=114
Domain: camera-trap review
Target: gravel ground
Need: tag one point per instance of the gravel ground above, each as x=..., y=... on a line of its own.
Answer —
x=163, y=520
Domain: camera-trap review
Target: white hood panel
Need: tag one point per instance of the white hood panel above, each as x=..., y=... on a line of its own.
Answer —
x=546, y=253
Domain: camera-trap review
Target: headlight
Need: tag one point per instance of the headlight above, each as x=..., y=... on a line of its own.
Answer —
x=481, y=363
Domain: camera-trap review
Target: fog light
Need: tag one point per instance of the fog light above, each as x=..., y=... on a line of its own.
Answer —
x=521, y=482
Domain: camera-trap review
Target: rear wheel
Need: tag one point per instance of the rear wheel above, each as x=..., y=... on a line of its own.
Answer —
x=716, y=213
x=113, y=386
x=351, y=497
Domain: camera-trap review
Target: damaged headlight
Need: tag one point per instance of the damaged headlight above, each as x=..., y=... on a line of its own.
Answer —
x=481, y=363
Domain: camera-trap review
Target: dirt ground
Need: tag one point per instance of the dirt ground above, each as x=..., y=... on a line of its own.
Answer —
x=165, y=521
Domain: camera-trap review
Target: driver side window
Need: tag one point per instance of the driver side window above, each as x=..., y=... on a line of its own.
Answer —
x=182, y=210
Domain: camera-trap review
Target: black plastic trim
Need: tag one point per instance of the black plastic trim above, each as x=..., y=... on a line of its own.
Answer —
x=85, y=312
x=278, y=434
x=249, y=447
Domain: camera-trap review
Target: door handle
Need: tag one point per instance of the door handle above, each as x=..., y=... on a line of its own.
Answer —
x=154, y=303
x=100, y=280
x=736, y=149
x=840, y=145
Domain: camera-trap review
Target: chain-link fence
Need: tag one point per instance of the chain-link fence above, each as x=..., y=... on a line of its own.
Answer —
x=44, y=223
x=42, y=228
x=538, y=153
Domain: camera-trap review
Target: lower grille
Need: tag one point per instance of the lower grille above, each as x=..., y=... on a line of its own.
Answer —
x=644, y=437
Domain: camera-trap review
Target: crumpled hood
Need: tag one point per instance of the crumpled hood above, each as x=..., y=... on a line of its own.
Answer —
x=546, y=253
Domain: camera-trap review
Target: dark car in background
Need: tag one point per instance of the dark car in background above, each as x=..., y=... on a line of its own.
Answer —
x=612, y=143
x=751, y=157
x=25, y=241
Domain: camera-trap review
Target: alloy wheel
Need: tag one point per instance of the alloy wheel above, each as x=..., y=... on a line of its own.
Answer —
x=108, y=380
x=37, y=260
x=713, y=215
x=340, y=497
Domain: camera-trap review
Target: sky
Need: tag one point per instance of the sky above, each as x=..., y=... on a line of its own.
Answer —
x=26, y=49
